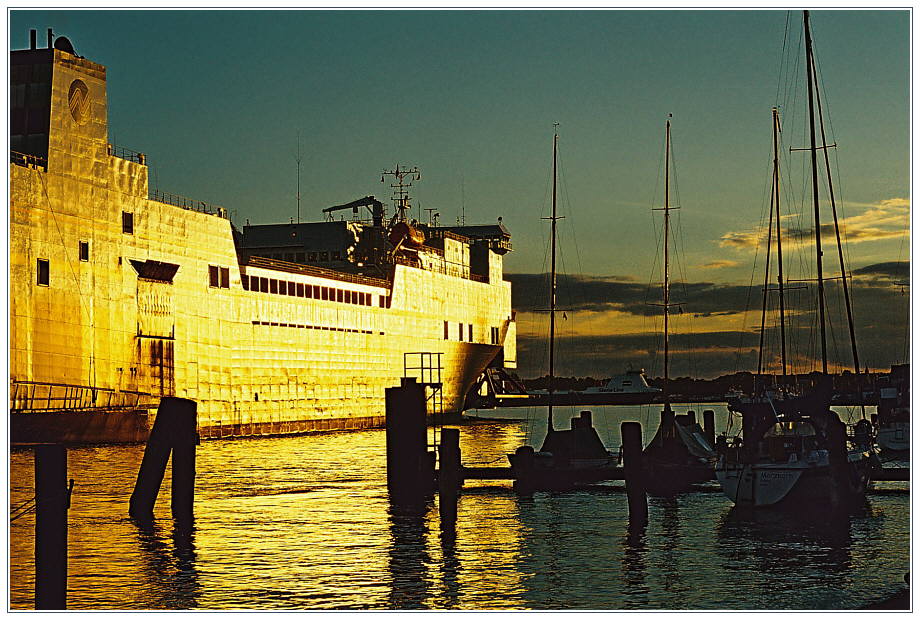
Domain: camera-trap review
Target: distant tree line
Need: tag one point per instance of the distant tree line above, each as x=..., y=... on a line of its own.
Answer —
x=846, y=382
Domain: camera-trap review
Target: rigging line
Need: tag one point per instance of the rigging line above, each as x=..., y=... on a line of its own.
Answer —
x=72, y=272
x=22, y=504
x=567, y=203
x=782, y=57
x=22, y=514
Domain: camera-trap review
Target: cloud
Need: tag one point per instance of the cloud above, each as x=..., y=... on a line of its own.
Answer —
x=892, y=270
x=529, y=294
x=889, y=219
x=719, y=264
x=727, y=344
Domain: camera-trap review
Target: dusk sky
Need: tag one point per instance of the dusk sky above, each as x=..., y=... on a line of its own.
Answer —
x=216, y=100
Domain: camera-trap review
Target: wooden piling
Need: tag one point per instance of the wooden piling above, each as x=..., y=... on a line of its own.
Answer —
x=52, y=498
x=449, y=476
x=184, y=443
x=524, y=483
x=709, y=426
x=175, y=416
x=409, y=477
x=634, y=474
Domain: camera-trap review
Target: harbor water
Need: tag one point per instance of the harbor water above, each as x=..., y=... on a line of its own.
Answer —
x=305, y=523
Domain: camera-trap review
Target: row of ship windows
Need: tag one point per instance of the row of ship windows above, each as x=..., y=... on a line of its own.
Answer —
x=493, y=333
x=303, y=257
x=320, y=327
x=299, y=289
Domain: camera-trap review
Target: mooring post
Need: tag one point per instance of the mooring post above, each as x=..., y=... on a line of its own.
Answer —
x=709, y=426
x=449, y=475
x=634, y=474
x=184, y=442
x=52, y=499
x=408, y=471
x=524, y=482
x=171, y=422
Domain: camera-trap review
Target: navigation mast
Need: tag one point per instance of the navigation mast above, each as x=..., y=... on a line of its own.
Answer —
x=401, y=195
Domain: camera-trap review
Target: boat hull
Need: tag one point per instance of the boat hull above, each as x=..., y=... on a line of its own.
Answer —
x=801, y=487
x=894, y=437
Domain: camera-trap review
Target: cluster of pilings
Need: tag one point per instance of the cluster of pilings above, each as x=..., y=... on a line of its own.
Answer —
x=174, y=431
x=413, y=476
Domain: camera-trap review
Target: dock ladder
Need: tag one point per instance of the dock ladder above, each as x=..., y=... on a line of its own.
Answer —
x=425, y=367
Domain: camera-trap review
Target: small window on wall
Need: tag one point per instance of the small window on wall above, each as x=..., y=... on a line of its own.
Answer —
x=470, y=332
x=43, y=272
x=84, y=251
x=127, y=223
x=213, y=276
x=225, y=277
x=244, y=280
x=461, y=331
x=282, y=287
x=446, y=330
x=273, y=286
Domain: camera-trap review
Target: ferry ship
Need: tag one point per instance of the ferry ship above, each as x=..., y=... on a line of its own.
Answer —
x=120, y=295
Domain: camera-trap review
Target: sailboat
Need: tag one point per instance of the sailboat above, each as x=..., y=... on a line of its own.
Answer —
x=793, y=450
x=567, y=456
x=679, y=455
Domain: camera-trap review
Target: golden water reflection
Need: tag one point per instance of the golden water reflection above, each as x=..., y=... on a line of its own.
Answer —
x=305, y=523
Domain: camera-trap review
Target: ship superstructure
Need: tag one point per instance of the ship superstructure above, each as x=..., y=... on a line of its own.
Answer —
x=120, y=295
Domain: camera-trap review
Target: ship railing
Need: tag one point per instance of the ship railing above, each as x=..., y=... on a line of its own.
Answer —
x=444, y=266
x=190, y=204
x=28, y=161
x=447, y=234
x=127, y=154
x=38, y=397
x=310, y=270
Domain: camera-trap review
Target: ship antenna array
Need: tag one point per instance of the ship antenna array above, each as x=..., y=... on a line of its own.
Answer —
x=401, y=194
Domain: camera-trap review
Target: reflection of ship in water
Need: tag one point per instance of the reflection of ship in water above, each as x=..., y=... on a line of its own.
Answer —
x=121, y=294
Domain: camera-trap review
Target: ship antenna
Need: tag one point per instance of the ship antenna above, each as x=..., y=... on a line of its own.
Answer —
x=298, y=159
x=462, y=202
x=401, y=195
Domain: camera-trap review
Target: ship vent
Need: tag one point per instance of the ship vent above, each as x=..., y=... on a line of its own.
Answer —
x=155, y=270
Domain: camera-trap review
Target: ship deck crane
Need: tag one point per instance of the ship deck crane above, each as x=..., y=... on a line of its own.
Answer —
x=373, y=205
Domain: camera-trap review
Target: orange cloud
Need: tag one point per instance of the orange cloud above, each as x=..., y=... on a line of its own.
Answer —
x=887, y=219
x=719, y=264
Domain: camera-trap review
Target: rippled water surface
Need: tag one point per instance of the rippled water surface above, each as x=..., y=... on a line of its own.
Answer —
x=305, y=523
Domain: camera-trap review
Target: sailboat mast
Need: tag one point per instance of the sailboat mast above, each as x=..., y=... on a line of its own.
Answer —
x=666, y=282
x=552, y=292
x=843, y=272
x=814, y=186
x=766, y=293
x=779, y=240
